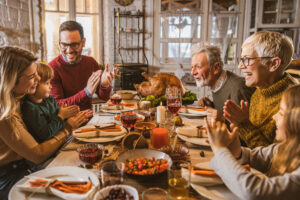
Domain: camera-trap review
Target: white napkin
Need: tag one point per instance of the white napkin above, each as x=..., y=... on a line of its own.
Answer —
x=99, y=133
x=190, y=131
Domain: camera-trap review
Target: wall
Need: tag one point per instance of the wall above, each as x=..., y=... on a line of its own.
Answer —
x=18, y=27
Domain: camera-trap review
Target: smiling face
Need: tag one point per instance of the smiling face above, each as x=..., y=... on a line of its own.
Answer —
x=70, y=50
x=43, y=90
x=279, y=120
x=256, y=74
x=201, y=70
x=28, y=81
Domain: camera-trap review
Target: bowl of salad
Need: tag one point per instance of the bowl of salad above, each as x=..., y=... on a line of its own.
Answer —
x=145, y=162
x=127, y=94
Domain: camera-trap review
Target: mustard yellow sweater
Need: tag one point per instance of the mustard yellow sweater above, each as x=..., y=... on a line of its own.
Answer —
x=259, y=130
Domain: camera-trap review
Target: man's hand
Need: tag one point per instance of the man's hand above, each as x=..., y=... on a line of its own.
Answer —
x=94, y=81
x=67, y=112
x=219, y=136
x=234, y=113
x=204, y=101
x=213, y=114
x=107, y=76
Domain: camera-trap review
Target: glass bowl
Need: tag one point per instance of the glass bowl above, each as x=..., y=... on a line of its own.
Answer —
x=180, y=152
x=90, y=153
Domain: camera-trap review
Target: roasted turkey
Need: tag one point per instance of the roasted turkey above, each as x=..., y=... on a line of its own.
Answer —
x=157, y=84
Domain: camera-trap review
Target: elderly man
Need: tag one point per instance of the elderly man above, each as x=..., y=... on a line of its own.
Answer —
x=207, y=69
x=265, y=55
x=77, y=77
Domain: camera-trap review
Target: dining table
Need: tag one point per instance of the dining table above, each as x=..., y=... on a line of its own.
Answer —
x=68, y=156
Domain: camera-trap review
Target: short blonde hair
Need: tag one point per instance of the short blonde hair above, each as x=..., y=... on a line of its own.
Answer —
x=213, y=53
x=271, y=44
x=45, y=72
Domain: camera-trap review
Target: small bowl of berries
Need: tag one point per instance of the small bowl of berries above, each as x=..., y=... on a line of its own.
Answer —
x=90, y=153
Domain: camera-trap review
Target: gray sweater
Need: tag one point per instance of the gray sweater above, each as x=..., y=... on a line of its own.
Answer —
x=234, y=89
x=247, y=185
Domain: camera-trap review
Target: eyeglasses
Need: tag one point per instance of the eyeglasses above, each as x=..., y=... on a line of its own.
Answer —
x=246, y=60
x=74, y=45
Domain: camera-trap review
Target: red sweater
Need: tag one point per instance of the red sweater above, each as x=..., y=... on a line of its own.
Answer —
x=70, y=80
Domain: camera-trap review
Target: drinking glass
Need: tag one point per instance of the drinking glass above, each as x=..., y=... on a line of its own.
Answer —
x=174, y=102
x=115, y=99
x=155, y=193
x=128, y=119
x=179, y=177
x=111, y=173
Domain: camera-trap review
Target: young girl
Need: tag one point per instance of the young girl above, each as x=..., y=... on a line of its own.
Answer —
x=280, y=162
x=42, y=116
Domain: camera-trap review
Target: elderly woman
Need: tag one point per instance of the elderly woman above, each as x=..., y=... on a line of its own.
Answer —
x=265, y=55
x=18, y=77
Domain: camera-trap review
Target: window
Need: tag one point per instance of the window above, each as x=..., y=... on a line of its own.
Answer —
x=184, y=23
x=86, y=12
x=180, y=27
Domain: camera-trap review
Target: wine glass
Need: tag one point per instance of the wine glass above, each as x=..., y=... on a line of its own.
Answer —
x=116, y=99
x=174, y=103
x=128, y=119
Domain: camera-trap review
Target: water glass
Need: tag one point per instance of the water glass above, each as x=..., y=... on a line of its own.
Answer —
x=179, y=178
x=155, y=193
x=111, y=173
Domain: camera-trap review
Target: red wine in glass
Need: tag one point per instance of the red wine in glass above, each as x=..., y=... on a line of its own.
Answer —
x=128, y=120
x=116, y=100
x=173, y=100
x=174, y=107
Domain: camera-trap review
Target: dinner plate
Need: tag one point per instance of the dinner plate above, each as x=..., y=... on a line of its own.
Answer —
x=194, y=140
x=205, y=180
x=192, y=113
x=108, y=138
x=61, y=173
x=219, y=192
x=113, y=110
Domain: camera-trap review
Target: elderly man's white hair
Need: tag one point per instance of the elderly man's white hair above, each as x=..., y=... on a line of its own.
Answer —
x=213, y=53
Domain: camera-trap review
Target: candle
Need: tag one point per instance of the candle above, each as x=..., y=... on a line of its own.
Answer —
x=159, y=137
x=161, y=114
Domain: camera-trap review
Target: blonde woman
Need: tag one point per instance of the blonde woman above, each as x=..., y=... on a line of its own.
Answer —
x=18, y=77
x=280, y=161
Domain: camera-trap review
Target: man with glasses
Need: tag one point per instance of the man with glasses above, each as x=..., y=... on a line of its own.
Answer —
x=207, y=69
x=265, y=55
x=77, y=77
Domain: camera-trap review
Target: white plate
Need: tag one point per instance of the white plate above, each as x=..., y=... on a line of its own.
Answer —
x=113, y=109
x=194, y=140
x=219, y=192
x=205, y=180
x=192, y=113
x=105, y=191
x=118, y=135
x=101, y=139
x=63, y=173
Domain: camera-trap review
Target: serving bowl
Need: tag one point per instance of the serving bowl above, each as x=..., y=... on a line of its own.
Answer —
x=90, y=153
x=139, y=126
x=104, y=192
x=145, y=153
x=127, y=94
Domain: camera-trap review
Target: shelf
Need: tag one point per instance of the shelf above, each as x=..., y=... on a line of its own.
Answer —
x=124, y=31
x=130, y=15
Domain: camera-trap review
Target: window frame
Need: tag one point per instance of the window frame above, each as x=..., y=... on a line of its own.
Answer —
x=72, y=16
x=206, y=14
